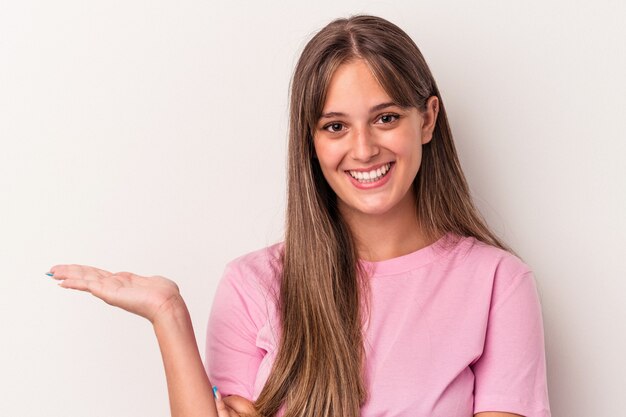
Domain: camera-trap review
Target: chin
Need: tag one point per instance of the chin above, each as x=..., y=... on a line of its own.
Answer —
x=374, y=210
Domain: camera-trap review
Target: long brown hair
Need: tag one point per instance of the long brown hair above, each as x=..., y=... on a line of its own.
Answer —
x=318, y=371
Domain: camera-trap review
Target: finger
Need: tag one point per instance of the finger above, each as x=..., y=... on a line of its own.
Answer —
x=75, y=272
x=78, y=272
x=222, y=409
x=73, y=269
x=131, y=279
x=241, y=405
x=78, y=284
x=127, y=277
x=102, y=271
x=225, y=411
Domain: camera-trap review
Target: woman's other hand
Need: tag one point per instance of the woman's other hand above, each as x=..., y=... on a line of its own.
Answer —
x=234, y=406
x=145, y=296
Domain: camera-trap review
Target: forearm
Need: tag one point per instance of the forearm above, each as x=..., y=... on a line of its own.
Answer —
x=188, y=386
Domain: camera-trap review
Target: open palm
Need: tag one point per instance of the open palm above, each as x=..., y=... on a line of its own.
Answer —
x=145, y=296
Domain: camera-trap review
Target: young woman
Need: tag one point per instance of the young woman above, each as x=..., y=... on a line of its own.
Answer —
x=389, y=296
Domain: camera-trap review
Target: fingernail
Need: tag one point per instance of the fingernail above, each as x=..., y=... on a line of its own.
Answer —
x=215, y=393
x=49, y=274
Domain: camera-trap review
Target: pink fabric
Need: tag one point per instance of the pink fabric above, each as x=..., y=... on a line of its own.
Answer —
x=454, y=330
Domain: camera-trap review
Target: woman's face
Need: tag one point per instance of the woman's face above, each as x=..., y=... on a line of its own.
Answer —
x=368, y=147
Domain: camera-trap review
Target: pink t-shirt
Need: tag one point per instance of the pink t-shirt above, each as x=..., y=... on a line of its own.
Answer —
x=453, y=331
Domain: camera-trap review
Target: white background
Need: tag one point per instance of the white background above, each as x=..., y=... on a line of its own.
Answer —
x=150, y=136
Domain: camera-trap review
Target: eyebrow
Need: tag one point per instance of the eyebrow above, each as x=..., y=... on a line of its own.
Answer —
x=372, y=110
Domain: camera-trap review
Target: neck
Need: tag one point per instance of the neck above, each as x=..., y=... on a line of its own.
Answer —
x=388, y=235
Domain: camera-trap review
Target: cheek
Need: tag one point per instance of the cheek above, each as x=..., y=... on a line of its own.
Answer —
x=417, y=156
x=328, y=155
x=405, y=144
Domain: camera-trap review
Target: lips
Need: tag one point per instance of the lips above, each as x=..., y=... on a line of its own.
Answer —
x=372, y=177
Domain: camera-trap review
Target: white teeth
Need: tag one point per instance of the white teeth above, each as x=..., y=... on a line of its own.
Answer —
x=370, y=176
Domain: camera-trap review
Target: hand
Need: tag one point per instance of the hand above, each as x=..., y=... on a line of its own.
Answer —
x=234, y=406
x=145, y=296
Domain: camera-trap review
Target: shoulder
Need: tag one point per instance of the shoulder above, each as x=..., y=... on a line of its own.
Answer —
x=249, y=287
x=496, y=271
x=500, y=261
x=255, y=271
x=260, y=261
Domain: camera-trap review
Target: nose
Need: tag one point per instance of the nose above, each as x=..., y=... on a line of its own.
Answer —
x=364, y=145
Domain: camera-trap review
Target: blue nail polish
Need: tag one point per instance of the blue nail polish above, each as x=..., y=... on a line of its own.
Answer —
x=49, y=274
x=215, y=391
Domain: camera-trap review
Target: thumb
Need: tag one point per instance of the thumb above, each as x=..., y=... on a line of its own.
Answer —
x=222, y=409
x=241, y=405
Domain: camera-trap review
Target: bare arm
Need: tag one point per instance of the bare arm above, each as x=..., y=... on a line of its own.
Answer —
x=188, y=386
x=158, y=299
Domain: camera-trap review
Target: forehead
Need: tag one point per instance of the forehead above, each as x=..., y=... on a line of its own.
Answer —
x=354, y=86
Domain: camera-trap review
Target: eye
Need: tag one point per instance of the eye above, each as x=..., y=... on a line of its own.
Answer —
x=389, y=118
x=334, y=127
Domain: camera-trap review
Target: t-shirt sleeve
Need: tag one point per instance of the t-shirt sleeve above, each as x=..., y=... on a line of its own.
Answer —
x=232, y=356
x=510, y=375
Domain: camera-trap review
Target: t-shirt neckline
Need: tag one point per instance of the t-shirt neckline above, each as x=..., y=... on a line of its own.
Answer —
x=412, y=260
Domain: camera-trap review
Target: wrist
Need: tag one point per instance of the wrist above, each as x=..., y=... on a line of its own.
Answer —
x=172, y=311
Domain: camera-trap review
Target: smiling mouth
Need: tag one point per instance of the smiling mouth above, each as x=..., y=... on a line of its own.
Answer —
x=370, y=176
